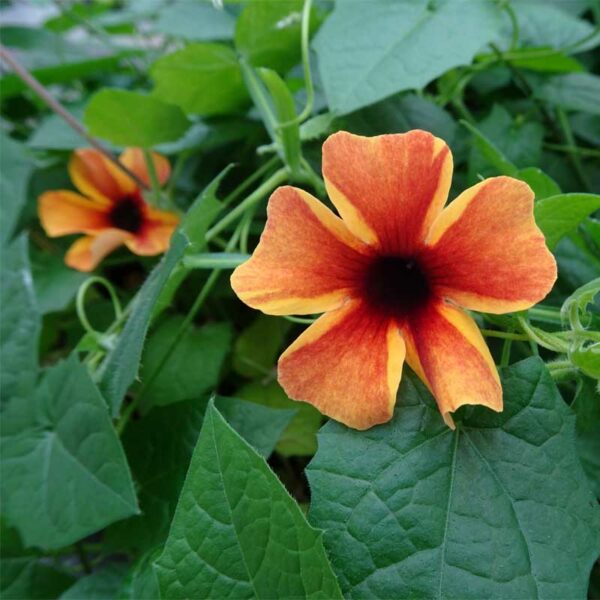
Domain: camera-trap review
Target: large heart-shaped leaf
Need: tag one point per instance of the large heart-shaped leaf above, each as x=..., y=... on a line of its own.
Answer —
x=237, y=533
x=64, y=473
x=370, y=51
x=499, y=508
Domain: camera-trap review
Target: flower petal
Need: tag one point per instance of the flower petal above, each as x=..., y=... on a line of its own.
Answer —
x=87, y=252
x=306, y=259
x=348, y=364
x=486, y=252
x=97, y=177
x=133, y=159
x=388, y=188
x=155, y=235
x=446, y=349
x=62, y=212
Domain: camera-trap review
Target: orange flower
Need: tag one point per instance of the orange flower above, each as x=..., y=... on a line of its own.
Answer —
x=393, y=276
x=111, y=211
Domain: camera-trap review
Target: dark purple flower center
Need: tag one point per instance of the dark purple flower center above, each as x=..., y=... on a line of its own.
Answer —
x=126, y=214
x=396, y=286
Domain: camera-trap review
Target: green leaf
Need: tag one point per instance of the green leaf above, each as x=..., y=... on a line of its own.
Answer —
x=131, y=119
x=19, y=323
x=587, y=430
x=259, y=425
x=255, y=350
x=53, y=133
x=237, y=532
x=267, y=33
x=587, y=127
x=55, y=284
x=366, y=55
x=159, y=447
x=31, y=578
x=574, y=91
x=201, y=78
x=193, y=368
x=25, y=574
x=141, y=583
x=543, y=24
x=16, y=168
x=491, y=154
x=544, y=61
x=300, y=436
x=287, y=136
x=195, y=21
x=518, y=141
x=103, y=584
x=542, y=185
x=64, y=474
x=120, y=366
x=498, y=508
x=558, y=215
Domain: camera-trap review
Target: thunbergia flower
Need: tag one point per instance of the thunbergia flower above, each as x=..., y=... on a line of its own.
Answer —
x=393, y=276
x=110, y=209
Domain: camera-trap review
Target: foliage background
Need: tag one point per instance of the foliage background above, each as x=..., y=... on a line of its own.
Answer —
x=120, y=478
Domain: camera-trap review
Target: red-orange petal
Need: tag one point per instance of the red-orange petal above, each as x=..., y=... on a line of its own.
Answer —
x=486, y=252
x=155, y=234
x=97, y=177
x=446, y=349
x=388, y=188
x=133, y=159
x=306, y=259
x=62, y=212
x=86, y=253
x=348, y=364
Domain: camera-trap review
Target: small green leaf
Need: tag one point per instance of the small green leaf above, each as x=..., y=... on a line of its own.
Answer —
x=287, y=134
x=574, y=91
x=267, y=33
x=491, y=153
x=545, y=61
x=25, y=574
x=141, y=583
x=102, y=584
x=19, y=323
x=237, y=532
x=300, y=436
x=120, y=366
x=55, y=283
x=498, y=508
x=542, y=185
x=194, y=367
x=204, y=79
x=558, y=215
x=64, y=474
x=259, y=425
x=367, y=55
x=131, y=119
x=255, y=350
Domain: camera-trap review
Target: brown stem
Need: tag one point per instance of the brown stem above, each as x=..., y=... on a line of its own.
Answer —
x=60, y=110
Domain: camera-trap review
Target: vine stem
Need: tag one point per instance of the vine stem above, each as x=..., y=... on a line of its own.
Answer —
x=259, y=193
x=60, y=110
